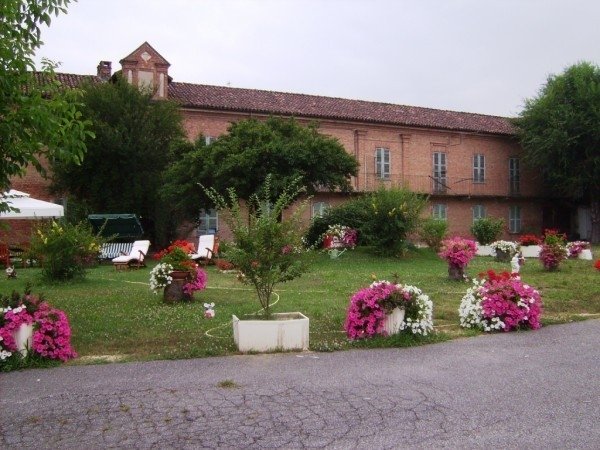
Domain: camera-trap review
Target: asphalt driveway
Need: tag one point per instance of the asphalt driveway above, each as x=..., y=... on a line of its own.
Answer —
x=517, y=390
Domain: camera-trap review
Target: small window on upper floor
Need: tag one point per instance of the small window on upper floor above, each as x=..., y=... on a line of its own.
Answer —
x=478, y=168
x=382, y=162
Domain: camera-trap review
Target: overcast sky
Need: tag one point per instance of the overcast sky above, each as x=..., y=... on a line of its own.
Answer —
x=483, y=56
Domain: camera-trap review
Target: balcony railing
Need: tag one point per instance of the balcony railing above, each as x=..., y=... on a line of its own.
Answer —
x=453, y=186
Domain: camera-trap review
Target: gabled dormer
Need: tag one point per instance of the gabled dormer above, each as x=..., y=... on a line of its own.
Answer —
x=146, y=68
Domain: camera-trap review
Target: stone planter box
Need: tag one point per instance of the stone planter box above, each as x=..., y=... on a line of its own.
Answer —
x=286, y=331
x=585, y=254
x=393, y=320
x=484, y=250
x=530, y=251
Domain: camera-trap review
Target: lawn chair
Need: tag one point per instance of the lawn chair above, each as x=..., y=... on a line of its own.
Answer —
x=135, y=258
x=208, y=246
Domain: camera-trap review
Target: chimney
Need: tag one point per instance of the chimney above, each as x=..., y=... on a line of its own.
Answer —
x=104, y=70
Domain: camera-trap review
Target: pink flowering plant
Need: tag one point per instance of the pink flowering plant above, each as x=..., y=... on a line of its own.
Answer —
x=553, y=250
x=500, y=302
x=197, y=283
x=457, y=251
x=341, y=236
x=369, y=307
x=51, y=330
x=576, y=247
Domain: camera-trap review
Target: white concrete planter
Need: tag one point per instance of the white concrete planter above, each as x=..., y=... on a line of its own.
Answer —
x=585, y=254
x=23, y=338
x=530, y=251
x=484, y=250
x=286, y=331
x=393, y=320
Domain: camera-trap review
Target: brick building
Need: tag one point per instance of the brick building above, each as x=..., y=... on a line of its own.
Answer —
x=469, y=164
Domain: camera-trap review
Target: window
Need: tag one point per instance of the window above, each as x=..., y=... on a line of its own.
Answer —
x=514, y=219
x=478, y=168
x=208, y=221
x=319, y=208
x=514, y=175
x=440, y=211
x=439, y=172
x=382, y=163
x=478, y=212
x=209, y=139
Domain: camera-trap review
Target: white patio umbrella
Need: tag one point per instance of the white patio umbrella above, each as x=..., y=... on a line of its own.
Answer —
x=29, y=208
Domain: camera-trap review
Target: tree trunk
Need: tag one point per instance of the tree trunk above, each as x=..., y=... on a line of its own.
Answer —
x=595, y=214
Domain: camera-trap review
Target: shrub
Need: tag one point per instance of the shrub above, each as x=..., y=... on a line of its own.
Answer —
x=266, y=249
x=65, y=249
x=433, y=231
x=352, y=214
x=392, y=214
x=487, y=229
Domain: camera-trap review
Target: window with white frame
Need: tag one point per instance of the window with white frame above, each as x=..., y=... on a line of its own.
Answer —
x=478, y=212
x=208, y=222
x=439, y=172
x=514, y=175
x=514, y=219
x=209, y=139
x=439, y=211
x=382, y=162
x=319, y=208
x=478, y=168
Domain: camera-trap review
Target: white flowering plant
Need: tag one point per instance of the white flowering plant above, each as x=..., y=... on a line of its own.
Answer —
x=505, y=246
x=160, y=276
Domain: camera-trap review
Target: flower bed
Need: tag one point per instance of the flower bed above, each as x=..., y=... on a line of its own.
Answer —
x=500, y=302
x=51, y=330
x=369, y=307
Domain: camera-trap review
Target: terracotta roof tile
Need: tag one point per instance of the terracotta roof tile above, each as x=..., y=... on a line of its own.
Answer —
x=318, y=107
x=301, y=105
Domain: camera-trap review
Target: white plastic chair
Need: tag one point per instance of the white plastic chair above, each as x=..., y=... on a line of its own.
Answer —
x=135, y=258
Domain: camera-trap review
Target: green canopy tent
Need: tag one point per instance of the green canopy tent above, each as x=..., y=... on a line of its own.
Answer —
x=125, y=227
x=121, y=229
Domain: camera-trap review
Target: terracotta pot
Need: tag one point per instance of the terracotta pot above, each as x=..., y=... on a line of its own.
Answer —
x=180, y=274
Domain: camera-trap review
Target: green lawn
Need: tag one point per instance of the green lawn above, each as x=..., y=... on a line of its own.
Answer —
x=114, y=315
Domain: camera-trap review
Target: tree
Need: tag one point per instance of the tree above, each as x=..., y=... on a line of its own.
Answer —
x=47, y=120
x=252, y=149
x=560, y=133
x=122, y=172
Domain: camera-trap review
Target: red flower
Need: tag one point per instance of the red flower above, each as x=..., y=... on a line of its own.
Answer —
x=597, y=264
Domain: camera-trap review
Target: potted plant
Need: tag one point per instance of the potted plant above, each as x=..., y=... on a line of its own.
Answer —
x=266, y=250
x=500, y=302
x=486, y=230
x=504, y=250
x=554, y=249
x=177, y=274
x=458, y=252
x=339, y=236
x=530, y=246
x=580, y=249
x=386, y=308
